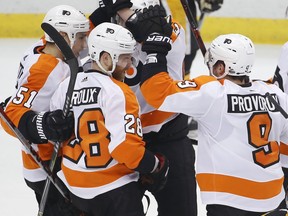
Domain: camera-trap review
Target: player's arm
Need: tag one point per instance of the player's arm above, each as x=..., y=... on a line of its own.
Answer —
x=37, y=127
x=126, y=144
x=162, y=92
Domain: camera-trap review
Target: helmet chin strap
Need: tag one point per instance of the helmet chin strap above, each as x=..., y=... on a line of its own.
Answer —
x=72, y=42
x=106, y=71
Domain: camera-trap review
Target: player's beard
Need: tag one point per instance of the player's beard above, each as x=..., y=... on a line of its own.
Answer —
x=119, y=72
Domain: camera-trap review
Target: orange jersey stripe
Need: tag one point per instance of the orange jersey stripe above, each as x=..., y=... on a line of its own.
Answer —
x=132, y=146
x=154, y=117
x=28, y=161
x=283, y=149
x=95, y=179
x=239, y=186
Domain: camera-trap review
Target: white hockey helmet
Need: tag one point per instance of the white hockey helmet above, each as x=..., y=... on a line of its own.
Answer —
x=235, y=50
x=66, y=19
x=111, y=38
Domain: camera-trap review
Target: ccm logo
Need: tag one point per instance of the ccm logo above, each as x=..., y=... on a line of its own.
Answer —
x=159, y=38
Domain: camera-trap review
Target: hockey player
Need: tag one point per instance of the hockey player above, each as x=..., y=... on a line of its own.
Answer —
x=164, y=132
x=41, y=70
x=240, y=129
x=101, y=165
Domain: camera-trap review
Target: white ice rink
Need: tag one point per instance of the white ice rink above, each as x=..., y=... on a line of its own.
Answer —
x=15, y=197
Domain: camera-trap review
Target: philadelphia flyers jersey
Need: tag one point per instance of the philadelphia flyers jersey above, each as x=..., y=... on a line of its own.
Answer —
x=152, y=119
x=38, y=77
x=239, y=135
x=108, y=143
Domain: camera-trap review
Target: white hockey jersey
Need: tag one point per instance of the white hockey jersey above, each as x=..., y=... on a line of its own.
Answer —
x=152, y=119
x=108, y=144
x=239, y=135
x=38, y=77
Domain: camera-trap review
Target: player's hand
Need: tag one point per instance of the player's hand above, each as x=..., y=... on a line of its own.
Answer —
x=157, y=43
x=150, y=20
x=46, y=126
x=99, y=16
x=156, y=180
x=56, y=126
x=208, y=6
x=112, y=6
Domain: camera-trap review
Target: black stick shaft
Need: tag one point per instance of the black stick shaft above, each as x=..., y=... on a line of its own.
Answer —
x=278, y=107
x=194, y=26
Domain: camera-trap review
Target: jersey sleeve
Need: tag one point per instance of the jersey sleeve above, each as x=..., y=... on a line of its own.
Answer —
x=123, y=122
x=31, y=89
x=164, y=94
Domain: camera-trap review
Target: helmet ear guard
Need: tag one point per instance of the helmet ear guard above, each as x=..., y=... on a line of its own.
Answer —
x=235, y=50
x=66, y=19
x=111, y=38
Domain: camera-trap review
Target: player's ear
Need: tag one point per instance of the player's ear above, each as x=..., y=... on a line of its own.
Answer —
x=219, y=68
x=106, y=60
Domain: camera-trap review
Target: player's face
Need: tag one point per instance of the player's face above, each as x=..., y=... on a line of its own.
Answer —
x=123, y=64
x=80, y=43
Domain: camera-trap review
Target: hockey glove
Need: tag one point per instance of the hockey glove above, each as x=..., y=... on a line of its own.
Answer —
x=150, y=20
x=39, y=128
x=208, y=6
x=99, y=16
x=157, y=47
x=155, y=181
x=112, y=6
x=157, y=43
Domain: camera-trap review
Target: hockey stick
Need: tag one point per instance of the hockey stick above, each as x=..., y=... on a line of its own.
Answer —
x=194, y=26
x=31, y=151
x=72, y=62
x=278, y=107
